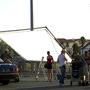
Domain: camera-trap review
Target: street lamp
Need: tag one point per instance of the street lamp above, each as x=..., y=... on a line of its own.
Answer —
x=31, y=14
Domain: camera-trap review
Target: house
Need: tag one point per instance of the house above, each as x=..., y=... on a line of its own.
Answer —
x=86, y=47
x=86, y=52
x=68, y=43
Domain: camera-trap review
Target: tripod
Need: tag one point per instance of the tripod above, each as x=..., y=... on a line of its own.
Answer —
x=41, y=68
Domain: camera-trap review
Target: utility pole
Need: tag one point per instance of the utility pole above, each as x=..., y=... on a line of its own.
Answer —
x=31, y=14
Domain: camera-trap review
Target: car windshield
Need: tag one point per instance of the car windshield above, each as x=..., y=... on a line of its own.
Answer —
x=6, y=68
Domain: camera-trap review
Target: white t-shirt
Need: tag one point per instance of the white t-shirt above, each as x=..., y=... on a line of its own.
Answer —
x=61, y=59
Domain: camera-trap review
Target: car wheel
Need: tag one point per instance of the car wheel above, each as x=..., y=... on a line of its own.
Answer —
x=5, y=82
x=17, y=79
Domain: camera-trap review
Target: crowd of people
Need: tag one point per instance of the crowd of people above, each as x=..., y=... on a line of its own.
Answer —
x=82, y=60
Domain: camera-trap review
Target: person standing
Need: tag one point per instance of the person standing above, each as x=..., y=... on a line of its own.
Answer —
x=61, y=60
x=40, y=68
x=49, y=65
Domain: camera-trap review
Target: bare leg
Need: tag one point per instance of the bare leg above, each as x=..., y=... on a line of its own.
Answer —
x=49, y=74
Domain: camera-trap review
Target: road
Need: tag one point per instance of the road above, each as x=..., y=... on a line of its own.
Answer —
x=26, y=83
x=58, y=88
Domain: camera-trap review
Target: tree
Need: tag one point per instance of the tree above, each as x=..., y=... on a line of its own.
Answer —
x=3, y=46
x=75, y=49
x=82, y=41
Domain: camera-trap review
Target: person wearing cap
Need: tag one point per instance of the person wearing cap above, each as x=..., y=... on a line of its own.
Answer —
x=61, y=60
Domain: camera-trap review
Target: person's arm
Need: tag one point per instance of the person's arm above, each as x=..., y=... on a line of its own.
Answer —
x=58, y=60
x=52, y=60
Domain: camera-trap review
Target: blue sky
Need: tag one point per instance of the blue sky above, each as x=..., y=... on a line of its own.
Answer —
x=65, y=18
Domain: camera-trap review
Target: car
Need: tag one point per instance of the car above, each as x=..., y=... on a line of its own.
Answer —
x=8, y=72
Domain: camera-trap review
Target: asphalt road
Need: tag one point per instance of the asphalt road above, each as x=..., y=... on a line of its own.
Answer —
x=27, y=83
x=58, y=88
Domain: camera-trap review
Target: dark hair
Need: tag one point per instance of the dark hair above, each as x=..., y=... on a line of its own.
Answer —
x=48, y=52
x=63, y=51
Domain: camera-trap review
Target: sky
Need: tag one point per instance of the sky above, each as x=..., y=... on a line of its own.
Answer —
x=68, y=19
x=65, y=18
x=33, y=45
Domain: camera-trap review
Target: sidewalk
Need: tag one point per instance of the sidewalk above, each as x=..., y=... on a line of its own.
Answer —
x=54, y=85
x=40, y=82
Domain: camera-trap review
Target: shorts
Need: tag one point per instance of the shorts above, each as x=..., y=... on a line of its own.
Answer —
x=49, y=66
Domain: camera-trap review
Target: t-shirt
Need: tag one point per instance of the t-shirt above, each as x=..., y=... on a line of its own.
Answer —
x=61, y=59
x=49, y=59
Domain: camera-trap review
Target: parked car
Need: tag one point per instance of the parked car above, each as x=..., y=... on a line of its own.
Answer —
x=8, y=72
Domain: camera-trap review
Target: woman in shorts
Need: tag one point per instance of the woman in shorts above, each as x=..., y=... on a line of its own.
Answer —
x=49, y=65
